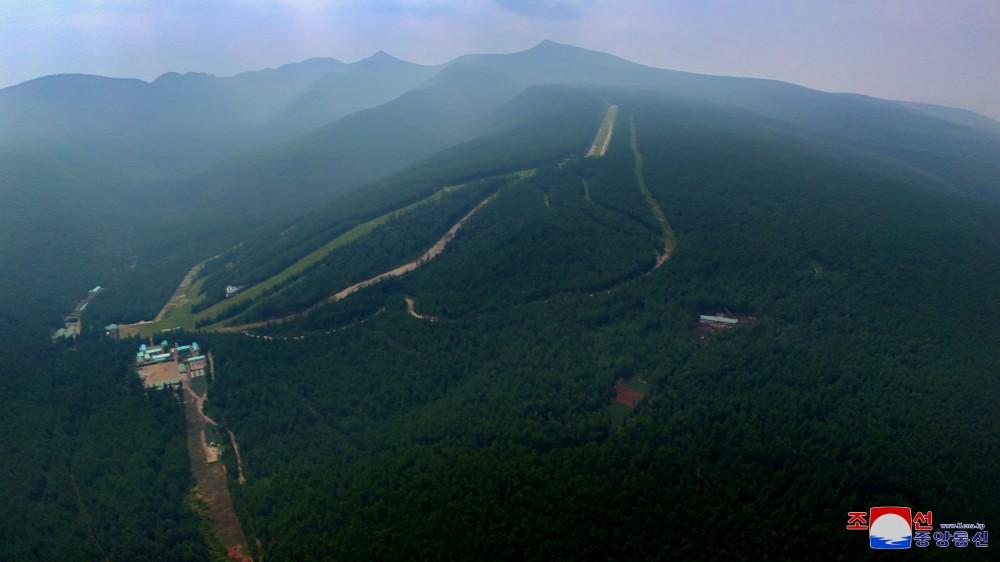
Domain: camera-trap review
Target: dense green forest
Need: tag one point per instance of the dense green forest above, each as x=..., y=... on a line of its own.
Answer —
x=94, y=467
x=485, y=435
x=463, y=410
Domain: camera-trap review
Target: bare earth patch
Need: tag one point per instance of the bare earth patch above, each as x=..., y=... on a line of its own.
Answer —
x=626, y=395
x=159, y=372
x=211, y=484
x=604, y=132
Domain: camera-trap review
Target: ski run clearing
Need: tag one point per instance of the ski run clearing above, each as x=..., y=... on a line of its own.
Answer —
x=433, y=252
x=603, y=138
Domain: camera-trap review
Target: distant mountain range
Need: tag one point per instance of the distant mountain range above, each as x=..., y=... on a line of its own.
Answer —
x=236, y=154
x=186, y=122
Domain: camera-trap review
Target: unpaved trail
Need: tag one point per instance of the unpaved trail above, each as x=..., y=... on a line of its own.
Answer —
x=239, y=459
x=667, y=235
x=604, y=132
x=414, y=313
x=211, y=484
x=433, y=252
x=211, y=453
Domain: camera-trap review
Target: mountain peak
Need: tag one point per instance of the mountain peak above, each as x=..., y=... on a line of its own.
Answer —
x=176, y=77
x=548, y=44
x=549, y=49
x=380, y=58
x=319, y=63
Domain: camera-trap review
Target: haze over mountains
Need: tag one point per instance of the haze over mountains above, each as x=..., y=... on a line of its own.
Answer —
x=181, y=122
x=501, y=287
x=262, y=147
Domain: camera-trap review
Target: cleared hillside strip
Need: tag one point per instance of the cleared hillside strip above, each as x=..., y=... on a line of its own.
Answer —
x=667, y=235
x=604, y=132
x=320, y=253
x=317, y=255
x=433, y=252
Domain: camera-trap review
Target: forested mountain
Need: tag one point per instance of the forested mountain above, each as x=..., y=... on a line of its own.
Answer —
x=367, y=83
x=467, y=316
x=286, y=180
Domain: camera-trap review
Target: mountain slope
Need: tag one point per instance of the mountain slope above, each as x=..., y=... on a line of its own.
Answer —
x=280, y=182
x=963, y=157
x=863, y=280
x=957, y=116
x=541, y=388
x=361, y=85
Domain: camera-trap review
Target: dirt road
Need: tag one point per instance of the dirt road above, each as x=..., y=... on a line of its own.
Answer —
x=667, y=235
x=433, y=252
x=211, y=479
x=414, y=313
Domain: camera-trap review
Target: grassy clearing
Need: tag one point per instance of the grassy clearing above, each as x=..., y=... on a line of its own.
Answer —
x=318, y=255
x=172, y=316
x=180, y=315
x=199, y=386
x=312, y=258
x=638, y=386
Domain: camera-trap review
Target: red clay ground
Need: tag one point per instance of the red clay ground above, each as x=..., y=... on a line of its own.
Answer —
x=626, y=395
x=211, y=484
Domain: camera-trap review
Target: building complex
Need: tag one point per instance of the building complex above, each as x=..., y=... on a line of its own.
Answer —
x=165, y=364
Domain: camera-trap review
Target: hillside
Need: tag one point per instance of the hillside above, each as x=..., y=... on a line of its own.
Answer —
x=498, y=408
x=460, y=333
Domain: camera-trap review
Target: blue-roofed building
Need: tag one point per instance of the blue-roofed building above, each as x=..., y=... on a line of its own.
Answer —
x=186, y=360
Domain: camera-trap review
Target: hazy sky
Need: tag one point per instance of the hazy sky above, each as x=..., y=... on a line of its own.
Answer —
x=939, y=51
